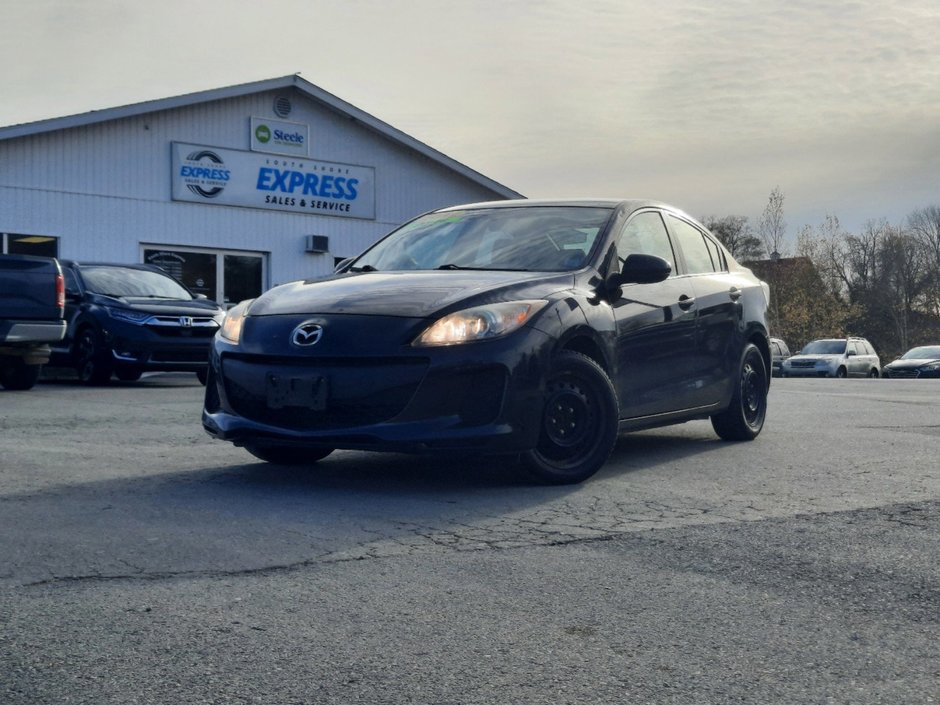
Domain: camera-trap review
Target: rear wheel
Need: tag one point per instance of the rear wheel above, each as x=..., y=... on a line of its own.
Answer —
x=744, y=417
x=841, y=373
x=17, y=375
x=579, y=422
x=873, y=374
x=91, y=358
x=288, y=455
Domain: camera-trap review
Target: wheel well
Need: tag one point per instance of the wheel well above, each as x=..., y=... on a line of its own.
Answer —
x=764, y=346
x=588, y=348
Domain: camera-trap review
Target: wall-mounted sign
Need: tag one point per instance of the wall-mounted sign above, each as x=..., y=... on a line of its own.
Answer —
x=280, y=137
x=229, y=177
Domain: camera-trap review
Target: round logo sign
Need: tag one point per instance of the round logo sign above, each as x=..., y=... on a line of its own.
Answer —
x=263, y=134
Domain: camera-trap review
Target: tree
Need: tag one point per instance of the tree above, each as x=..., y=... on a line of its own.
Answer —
x=924, y=226
x=771, y=226
x=736, y=234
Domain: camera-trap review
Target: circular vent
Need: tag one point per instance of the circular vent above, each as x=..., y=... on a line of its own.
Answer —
x=282, y=106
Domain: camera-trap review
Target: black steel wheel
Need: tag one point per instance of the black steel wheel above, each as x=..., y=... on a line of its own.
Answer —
x=288, y=455
x=91, y=358
x=744, y=417
x=579, y=422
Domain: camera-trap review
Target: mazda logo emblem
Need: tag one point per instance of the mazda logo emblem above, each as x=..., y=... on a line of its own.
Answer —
x=306, y=334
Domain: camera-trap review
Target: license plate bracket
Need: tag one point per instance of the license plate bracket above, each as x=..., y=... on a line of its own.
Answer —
x=308, y=392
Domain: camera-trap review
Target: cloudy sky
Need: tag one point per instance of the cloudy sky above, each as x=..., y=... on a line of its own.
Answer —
x=706, y=104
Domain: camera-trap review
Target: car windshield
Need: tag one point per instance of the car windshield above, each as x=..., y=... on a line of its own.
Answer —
x=926, y=352
x=527, y=238
x=825, y=347
x=130, y=282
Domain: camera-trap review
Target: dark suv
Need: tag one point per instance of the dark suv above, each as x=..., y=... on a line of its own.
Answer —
x=126, y=319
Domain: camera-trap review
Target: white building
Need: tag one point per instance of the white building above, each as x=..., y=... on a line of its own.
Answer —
x=233, y=190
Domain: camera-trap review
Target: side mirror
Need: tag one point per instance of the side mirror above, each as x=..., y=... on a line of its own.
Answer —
x=201, y=297
x=851, y=353
x=644, y=269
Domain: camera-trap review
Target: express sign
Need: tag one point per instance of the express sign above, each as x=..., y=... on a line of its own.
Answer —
x=229, y=177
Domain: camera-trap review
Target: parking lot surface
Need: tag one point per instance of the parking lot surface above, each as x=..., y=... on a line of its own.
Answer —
x=144, y=562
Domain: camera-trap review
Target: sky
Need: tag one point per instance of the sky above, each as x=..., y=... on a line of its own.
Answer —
x=706, y=104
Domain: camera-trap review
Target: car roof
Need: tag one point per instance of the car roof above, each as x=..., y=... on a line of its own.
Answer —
x=628, y=204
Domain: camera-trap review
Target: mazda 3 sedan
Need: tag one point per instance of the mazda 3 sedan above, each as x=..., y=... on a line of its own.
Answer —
x=537, y=329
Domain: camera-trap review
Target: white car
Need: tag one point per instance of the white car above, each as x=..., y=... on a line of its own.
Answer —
x=834, y=357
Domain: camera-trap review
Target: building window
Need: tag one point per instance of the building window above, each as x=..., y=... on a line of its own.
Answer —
x=40, y=245
x=226, y=277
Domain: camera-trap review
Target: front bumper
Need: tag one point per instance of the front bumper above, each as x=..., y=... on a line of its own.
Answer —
x=480, y=397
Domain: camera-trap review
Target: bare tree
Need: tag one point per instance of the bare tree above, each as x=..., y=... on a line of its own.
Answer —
x=771, y=226
x=924, y=225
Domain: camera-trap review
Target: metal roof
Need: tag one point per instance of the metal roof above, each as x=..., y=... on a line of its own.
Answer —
x=314, y=93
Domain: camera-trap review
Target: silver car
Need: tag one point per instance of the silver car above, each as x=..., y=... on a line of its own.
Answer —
x=834, y=357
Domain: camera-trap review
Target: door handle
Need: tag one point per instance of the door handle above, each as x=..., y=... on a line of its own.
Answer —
x=734, y=293
x=686, y=302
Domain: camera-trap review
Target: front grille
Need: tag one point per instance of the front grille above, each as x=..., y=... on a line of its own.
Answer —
x=803, y=364
x=183, y=326
x=904, y=374
x=361, y=392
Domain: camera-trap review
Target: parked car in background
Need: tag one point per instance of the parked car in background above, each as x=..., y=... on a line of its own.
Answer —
x=537, y=329
x=31, y=309
x=920, y=362
x=778, y=353
x=834, y=357
x=125, y=319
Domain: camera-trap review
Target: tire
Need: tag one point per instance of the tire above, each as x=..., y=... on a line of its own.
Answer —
x=128, y=374
x=203, y=376
x=288, y=455
x=873, y=374
x=841, y=373
x=16, y=375
x=91, y=358
x=744, y=417
x=579, y=422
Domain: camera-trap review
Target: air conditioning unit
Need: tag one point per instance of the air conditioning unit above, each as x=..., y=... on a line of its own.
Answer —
x=318, y=243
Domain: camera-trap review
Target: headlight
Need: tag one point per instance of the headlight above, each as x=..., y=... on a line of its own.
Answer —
x=231, y=328
x=480, y=323
x=126, y=314
x=931, y=367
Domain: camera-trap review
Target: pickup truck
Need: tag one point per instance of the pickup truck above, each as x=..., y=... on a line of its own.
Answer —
x=32, y=302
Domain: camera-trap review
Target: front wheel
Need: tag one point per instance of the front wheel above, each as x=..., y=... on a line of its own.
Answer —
x=288, y=455
x=579, y=422
x=91, y=358
x=744, y=417
x=873, y=374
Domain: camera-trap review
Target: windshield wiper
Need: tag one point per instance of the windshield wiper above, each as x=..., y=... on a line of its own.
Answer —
x=363, y=268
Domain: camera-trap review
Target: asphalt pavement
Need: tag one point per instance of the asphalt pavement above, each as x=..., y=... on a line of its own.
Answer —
x=143, y=562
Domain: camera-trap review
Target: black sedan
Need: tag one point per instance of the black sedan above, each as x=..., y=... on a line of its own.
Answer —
x=920, y=362
x=532, y=328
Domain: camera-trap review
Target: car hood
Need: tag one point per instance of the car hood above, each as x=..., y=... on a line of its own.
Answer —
x=161, y=307
x=911, y=364
x=405, y=294
x=794, y=358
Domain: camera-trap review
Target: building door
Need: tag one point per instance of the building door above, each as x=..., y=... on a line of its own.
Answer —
x=224, y=276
